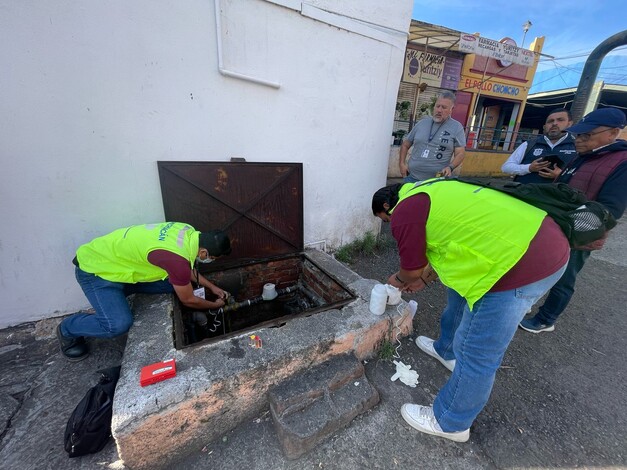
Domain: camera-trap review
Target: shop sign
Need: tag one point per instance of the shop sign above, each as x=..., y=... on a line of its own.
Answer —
x=433, y=69
x=493, y=88
x=501, y=51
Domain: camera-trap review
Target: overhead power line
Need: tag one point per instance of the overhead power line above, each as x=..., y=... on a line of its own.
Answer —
x=583, y=54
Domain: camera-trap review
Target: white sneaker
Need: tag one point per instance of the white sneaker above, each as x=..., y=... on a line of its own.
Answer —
x=426, y=345
x=421, y=418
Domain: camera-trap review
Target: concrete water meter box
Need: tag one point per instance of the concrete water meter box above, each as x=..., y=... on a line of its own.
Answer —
x=223, y=381
x=259, y=205
x=301, y=288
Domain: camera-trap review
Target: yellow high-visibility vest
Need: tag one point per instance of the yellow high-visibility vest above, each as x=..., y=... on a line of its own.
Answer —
x=474, y=234
x=122, y=255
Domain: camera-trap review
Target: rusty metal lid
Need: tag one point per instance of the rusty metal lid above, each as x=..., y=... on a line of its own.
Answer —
x=259, y=205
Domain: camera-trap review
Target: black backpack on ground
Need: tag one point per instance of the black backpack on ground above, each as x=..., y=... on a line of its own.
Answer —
x=582, y=221
x=89, y=428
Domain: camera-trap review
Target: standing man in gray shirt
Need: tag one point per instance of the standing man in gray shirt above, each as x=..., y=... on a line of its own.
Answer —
x=433, y=140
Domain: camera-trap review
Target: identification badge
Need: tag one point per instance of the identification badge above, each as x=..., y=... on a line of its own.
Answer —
x=200, y=292
x=425, y=153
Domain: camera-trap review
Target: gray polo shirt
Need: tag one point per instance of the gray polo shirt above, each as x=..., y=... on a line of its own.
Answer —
x=433, y=145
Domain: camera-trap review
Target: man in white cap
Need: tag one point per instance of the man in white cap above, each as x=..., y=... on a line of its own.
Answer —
x=600, y=172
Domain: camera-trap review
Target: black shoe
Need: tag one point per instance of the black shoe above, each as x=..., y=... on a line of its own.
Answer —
x=74, y=349
x=533, y=325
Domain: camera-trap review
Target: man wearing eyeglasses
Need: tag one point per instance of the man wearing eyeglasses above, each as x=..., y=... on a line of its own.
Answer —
x=436, y=142
x=600, y=171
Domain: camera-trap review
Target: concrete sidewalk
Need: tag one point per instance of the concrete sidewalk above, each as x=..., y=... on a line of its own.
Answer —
x=558, y=400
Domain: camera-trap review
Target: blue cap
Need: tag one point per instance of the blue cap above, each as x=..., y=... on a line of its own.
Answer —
x=609, y=117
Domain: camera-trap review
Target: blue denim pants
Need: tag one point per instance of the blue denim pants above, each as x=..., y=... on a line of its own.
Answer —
x=113, y=315
x=478, y=340
x=561, y=293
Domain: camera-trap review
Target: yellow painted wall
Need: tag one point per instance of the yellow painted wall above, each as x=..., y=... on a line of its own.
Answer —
x=483, y=163
x=476, y=163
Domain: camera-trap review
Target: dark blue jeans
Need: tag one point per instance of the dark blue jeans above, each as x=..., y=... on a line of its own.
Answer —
x=477, y=341
x=561, y=293
x=113, y=315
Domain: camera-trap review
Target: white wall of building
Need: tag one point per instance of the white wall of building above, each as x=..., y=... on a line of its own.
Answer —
x=95, y=93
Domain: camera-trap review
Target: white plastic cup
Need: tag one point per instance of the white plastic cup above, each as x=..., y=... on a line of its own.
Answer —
x=378, y=299
x=394, y=294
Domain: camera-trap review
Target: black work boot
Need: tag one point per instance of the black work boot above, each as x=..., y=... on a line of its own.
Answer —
x=74, y=349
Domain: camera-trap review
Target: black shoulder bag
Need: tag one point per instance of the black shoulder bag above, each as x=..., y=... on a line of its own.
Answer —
x=89, y=428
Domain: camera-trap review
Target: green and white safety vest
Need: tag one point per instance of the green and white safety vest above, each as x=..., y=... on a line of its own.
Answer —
x=122, y=255
x=474, y=235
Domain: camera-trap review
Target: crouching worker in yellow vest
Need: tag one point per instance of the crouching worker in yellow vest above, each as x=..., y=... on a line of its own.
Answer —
x=497, y=256
x=154, y=259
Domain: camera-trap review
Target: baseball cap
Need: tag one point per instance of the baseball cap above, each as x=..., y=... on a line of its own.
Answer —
x=610, y=117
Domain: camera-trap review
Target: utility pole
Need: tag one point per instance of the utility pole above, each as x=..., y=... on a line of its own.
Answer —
x=526, y=27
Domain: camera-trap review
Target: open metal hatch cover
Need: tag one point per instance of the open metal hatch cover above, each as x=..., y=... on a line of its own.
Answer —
x=259, y=205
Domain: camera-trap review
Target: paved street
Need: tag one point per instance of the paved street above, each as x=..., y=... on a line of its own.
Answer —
x=558, y=401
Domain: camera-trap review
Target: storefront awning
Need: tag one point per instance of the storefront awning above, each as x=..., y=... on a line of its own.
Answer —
x=433, y=36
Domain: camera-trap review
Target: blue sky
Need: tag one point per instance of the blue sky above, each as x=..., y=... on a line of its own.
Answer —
x=572, y=29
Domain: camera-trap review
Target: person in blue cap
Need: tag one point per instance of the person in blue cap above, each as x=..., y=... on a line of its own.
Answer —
x=600, y=171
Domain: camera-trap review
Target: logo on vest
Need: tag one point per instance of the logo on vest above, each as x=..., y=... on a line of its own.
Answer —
x=537, y=152
x=164, y=230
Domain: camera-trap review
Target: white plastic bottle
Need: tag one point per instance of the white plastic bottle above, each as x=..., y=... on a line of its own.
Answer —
x=378, y=299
